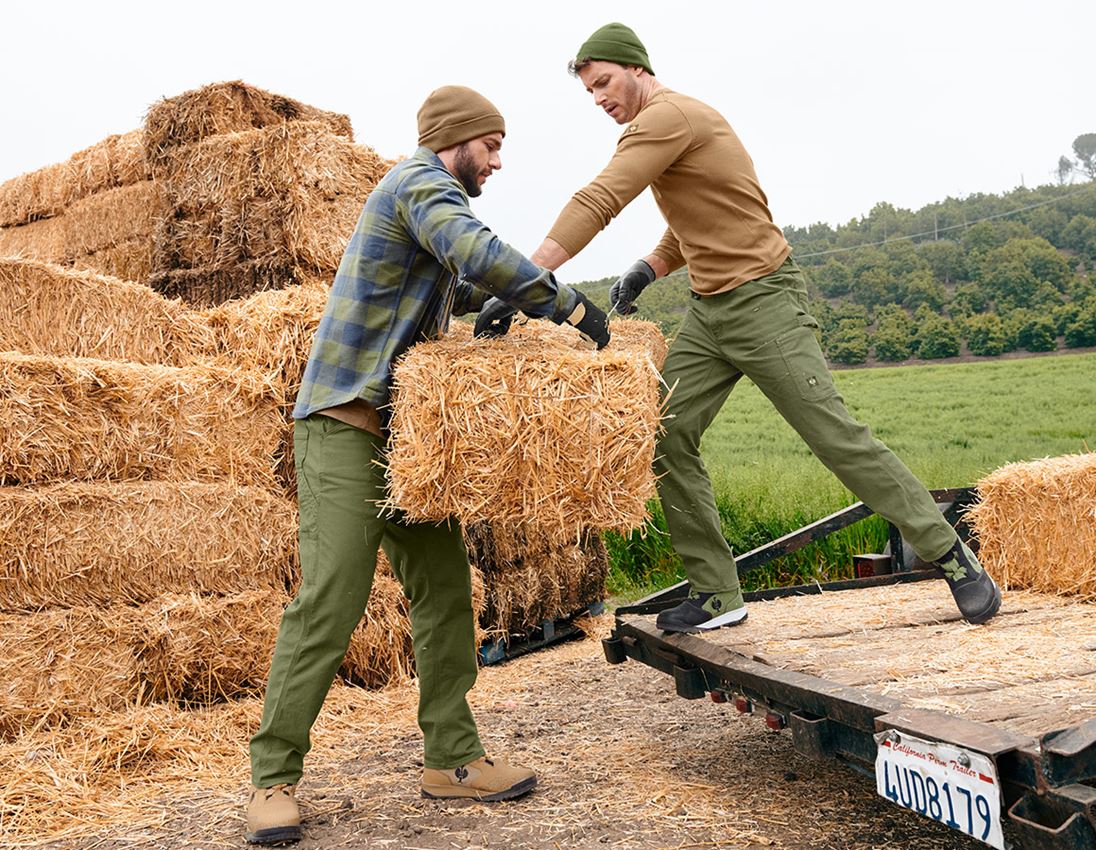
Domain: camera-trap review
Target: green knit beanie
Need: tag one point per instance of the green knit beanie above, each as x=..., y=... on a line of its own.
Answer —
x=455, y=114
x=616, y=43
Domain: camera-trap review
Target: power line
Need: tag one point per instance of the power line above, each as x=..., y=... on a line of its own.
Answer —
x=937, y=230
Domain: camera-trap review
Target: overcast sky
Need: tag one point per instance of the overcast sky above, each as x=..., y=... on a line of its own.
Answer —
x=841, y=104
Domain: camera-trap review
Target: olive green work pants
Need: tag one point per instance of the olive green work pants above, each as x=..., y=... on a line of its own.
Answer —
x=762, y=330
x=339, y=485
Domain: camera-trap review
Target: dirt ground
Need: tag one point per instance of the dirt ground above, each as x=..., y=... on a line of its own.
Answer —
x=623, y=763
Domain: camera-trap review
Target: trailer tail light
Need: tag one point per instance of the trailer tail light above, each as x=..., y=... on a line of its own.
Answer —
x=719, y=696
x=743, y=705
x=775, y=721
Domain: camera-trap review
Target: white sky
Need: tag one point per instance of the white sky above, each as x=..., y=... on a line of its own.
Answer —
x=841, y=104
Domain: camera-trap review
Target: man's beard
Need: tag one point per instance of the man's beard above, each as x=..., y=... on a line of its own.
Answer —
x=467, y=172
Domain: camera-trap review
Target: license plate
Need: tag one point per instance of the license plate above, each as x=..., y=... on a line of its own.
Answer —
x=953, y=786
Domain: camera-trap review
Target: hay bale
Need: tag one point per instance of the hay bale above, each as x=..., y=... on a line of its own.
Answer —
x=1036, y=525
x=530, y=578
x=211, y=286
x=49, y=310
x=82, y=419
x=83, y=544
x=60, y=664
x=118, y=160
x=530, y=429
x=185, y=648
x=220, y=108
x=285, y=195
x=130, y=260
x=95, y=223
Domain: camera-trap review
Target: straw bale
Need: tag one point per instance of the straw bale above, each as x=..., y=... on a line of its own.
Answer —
x=84, y=419
x=288, y=194
x=270, y=333
x=49, y=310
x=528, y=429
x=1036, y=524
x=530, y=578
x=62, y=663
x=129, y=260
x=183, y=648
x=103, y=543
x=222, y=108
x=196, y=650
x=104, y=220
x=210, y=286
x=117, y=160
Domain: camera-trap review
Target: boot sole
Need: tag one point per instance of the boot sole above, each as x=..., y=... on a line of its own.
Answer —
x=731, y=618
x=990, y=610
x=439, y=792
x=275, y=836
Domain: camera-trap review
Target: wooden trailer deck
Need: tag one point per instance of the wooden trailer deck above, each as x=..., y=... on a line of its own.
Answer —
x=1031, y=670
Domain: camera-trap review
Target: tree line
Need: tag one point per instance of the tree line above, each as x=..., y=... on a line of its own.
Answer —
x=986, y=274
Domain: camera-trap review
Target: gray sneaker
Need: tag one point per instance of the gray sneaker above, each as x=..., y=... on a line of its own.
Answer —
x=976, y=594
x=703, y=611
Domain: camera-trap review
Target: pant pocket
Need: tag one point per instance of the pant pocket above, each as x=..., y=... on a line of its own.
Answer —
x=806, y=365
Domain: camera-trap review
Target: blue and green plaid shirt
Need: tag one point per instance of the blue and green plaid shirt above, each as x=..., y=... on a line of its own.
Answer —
x=406, y=270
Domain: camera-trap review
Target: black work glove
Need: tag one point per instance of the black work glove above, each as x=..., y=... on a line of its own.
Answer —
x=590, y=320
x=626, y=290
x=494, y=318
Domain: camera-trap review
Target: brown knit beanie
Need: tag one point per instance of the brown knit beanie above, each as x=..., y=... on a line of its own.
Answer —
x=455, y=114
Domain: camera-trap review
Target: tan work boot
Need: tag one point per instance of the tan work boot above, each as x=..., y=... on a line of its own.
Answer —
x=484, y=779
x=272, y=816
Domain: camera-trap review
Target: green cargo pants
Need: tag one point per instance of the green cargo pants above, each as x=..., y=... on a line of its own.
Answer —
x=339, y=483
x=762, y=330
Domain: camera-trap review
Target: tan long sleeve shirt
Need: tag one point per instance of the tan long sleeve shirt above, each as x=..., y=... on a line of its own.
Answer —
x=703, y=182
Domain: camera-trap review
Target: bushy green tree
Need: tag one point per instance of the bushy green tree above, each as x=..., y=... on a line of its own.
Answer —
x=922, y=288
x=1081, y=333
x=987, y=235
x=1037, y=332
x=986, y=335
x=1080, y=236
x=893, y=335
x=848, y=343
x=946, y=259
x=1024, y=273
x=833, y=279
x=935, y=336
x=969, y=298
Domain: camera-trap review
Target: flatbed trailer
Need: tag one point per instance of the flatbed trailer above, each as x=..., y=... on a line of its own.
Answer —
x=988, y=729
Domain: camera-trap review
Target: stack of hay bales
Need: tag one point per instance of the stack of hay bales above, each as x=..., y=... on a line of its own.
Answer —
x=148, y=544
x=98, y=210
x=1036, y=525
x=259, y=191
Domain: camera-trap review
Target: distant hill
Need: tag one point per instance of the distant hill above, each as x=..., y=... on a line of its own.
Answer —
x=981, y=275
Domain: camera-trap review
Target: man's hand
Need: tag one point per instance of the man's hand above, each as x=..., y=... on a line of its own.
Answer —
x=494, y=318
x=590, y=320
x=625, y=291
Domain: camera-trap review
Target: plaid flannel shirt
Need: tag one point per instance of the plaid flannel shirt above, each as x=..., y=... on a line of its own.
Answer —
x=406, y=270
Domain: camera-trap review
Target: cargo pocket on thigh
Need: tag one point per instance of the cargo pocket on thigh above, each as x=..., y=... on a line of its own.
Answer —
x=806, y=365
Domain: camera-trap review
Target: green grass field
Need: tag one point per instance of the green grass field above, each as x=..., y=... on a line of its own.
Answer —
x=951, y=424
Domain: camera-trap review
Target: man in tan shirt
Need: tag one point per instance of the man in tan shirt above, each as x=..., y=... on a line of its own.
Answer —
x=748, y=317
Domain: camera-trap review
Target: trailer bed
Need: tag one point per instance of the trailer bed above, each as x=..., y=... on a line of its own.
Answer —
x=1032, y=669
x=844, y=665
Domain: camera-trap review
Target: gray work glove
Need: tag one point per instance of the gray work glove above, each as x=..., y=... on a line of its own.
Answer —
x=626, y=290
x=494, y=318
x=590, y=321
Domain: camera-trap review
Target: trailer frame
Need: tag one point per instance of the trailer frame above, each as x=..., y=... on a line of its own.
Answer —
x=1048, y=783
